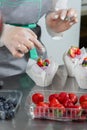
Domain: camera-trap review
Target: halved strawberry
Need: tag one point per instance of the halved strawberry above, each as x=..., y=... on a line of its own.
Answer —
x=40, y=62
x=74, y=49
x=71, y=53
x=85, y=58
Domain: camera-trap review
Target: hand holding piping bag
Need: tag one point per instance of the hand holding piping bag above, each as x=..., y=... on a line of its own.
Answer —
x=61, y=20
x=19, y=46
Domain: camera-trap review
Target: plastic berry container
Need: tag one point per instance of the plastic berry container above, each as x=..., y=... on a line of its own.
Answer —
x=9, y=103
x=56, y=113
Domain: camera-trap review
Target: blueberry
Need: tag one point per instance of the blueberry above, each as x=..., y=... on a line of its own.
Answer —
x=15, y=102
x=2, y=115
x=11, y=106
x=6, y=106
x=47, y=64
x=1, y=106
x=2, y=98
x=9, y=115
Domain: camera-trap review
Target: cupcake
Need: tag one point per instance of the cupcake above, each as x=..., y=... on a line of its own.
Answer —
x=81, y=74
x=72, y=57
x=42, y=71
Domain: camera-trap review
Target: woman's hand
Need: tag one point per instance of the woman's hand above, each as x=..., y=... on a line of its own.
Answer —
x=19, y=40
x=62, y=20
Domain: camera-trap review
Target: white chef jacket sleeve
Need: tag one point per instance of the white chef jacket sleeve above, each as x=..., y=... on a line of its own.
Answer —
x=59, y=4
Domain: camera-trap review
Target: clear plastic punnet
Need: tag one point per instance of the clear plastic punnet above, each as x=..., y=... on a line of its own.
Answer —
x=9, y=103
x=59, y=112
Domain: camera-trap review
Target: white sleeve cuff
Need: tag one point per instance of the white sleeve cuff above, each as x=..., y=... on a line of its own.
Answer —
x=54, y=35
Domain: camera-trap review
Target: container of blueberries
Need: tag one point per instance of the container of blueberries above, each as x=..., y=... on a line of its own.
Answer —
x=9, y=103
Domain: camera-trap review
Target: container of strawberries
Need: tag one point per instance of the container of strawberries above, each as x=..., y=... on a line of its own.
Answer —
x=57, y=105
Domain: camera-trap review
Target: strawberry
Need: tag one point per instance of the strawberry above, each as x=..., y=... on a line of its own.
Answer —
x=73, y=97
x=53, y=102
x=51, y=96
x=75, y=110
x=71, y=53
x=40, y=62
x=78, y=52
x=47, y=61
x=84, y=63
x=67, y=103
x=84, y=105
x=63, y=96
x=37, y=97
x=83, y=98
x=85, y=58
x=74, y=49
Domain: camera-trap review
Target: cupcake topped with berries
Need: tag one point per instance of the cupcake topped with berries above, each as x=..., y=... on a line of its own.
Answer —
x=42, y=71
x=73, y=57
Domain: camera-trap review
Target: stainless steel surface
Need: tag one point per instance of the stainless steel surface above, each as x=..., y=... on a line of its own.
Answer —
x=25, y=84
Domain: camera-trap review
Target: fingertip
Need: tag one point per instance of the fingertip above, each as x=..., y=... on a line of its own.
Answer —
x=62, y=17
x=71, y=23
x=17, y=54
x=63, y=14
x=20, y=55
x=75, y=15
x=43, y=49
x=55, y=16
x=76, y=20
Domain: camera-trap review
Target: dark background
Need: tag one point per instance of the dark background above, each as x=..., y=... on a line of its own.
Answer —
x=83, y=32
